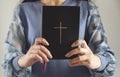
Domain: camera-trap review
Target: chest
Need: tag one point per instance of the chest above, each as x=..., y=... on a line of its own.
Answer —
x=33, y=22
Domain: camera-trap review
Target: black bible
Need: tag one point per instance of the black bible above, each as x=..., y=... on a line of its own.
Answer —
x=60, y=27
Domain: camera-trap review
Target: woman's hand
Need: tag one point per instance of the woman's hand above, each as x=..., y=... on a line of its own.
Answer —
x=85, y=56
x=37, y=52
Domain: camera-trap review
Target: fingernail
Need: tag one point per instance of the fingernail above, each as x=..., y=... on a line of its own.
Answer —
x=47, y=43
x=47, y=60
x=73, y=45
x=41, y=61
x=67, y=55
x=51, y=56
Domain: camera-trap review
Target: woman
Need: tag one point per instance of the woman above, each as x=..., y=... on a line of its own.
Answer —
x=26, y=47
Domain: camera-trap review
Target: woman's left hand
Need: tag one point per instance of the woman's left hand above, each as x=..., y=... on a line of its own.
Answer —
x=85, y=56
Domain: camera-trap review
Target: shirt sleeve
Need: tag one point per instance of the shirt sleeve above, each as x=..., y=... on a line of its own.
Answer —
x=15, y=45
x=98, y=44
x=15, y=65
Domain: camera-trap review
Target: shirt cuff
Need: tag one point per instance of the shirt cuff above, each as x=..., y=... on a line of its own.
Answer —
x=15, y=65
x=104, y=63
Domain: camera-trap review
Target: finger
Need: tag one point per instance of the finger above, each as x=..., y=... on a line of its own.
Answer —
x=81, y=43
x=78, y=59
x=37, y=57
x=81, y=63
x=76, y=51
x=46, y=51
x=35, y=47
x=44, y=57
x=41, y=41
x=43, y=49
x=75, y=60
x=75, y=64
x=83, y=58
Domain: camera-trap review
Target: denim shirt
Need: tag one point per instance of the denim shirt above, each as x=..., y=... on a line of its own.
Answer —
x=27, y=25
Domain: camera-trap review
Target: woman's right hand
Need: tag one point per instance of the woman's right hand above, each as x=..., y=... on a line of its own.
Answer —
x=37, y=52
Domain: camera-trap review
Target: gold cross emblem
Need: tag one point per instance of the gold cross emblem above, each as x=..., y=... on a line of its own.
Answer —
x=60, y=29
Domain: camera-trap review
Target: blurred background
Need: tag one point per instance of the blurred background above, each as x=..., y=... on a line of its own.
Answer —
x=110, y=15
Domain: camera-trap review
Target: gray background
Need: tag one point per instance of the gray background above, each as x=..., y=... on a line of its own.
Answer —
x=110, y=15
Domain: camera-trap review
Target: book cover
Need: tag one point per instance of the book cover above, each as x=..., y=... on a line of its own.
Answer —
x=60, y=27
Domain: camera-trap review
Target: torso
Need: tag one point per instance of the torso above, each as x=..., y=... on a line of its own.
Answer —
x=32, y=23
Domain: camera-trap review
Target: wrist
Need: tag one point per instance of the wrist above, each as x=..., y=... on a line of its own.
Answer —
x=95, y=62
x=21, y=61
